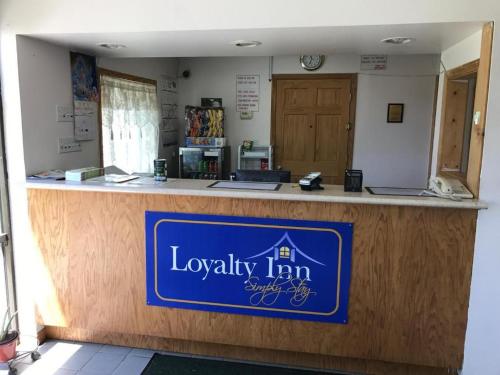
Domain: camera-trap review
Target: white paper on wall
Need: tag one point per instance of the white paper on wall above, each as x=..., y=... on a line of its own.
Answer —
x=167, y=83
x=85, y=120
x=169, y=111
x=247, y=92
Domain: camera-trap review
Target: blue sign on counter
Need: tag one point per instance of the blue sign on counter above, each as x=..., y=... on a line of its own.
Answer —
x=293, y=269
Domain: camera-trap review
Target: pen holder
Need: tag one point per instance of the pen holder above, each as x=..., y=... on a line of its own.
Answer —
x=353, y=180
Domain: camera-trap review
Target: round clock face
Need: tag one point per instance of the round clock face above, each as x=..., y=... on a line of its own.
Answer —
x=311, y=62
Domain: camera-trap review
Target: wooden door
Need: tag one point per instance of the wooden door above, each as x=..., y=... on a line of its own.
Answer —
x=312, y=125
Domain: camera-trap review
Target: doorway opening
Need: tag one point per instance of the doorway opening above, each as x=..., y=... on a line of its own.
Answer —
x=7, y=278
x=457, y=119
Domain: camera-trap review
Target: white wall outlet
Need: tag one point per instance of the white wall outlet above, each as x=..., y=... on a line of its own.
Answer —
x=68, y=144
x=64, y=113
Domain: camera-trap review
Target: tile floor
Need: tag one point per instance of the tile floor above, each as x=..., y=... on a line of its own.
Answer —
x=80, y=358
x=71, y=358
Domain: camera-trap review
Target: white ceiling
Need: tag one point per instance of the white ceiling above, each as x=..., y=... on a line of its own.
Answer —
x=430, y=38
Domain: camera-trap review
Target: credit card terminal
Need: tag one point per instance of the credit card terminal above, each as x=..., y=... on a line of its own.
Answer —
x=311, y=182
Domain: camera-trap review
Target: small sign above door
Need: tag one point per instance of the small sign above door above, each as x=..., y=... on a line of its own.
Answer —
x=373, y=62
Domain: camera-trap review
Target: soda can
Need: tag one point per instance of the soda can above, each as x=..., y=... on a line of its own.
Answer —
x=160, y=169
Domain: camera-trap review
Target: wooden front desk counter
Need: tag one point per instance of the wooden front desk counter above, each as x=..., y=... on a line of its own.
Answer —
x=408, y=299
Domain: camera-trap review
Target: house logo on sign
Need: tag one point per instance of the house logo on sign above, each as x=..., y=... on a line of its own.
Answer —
x=286, y=250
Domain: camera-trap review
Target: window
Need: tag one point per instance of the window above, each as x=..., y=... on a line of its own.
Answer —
x=284, y=252
x=129, y=116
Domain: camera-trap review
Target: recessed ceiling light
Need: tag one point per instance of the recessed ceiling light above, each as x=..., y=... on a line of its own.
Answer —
x=398, y=40
x=111, y=45
x=246, y=43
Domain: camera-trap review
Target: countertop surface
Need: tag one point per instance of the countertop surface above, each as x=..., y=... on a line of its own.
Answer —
x=291, y=192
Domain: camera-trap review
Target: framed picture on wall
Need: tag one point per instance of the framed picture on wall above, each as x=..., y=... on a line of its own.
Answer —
x=395, y=112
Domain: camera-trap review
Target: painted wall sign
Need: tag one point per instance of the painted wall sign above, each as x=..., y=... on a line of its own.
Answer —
x=293, y=269
x=247, y=92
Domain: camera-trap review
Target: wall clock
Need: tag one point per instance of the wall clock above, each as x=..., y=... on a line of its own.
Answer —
x=312, y=62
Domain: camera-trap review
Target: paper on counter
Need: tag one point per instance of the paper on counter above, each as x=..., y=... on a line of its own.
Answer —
x=269, y=186
x=409, y=192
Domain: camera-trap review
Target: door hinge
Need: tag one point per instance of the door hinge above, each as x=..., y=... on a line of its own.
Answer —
x=348, y=126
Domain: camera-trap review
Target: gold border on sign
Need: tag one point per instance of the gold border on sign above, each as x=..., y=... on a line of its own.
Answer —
x=339, y=269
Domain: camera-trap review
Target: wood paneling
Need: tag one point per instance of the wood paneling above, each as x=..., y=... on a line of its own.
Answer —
x=480, y=105
x=463, y=71
x=128, y=77
x=453, y=127
x=313, y=361
x=409, y=292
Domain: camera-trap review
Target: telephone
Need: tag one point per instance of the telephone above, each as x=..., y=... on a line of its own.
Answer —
x=449, y=188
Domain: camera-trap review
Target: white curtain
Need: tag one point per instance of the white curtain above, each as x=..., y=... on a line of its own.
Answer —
x=130, y=121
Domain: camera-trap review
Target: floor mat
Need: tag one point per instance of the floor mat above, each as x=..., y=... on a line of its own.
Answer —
x=170, y=365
